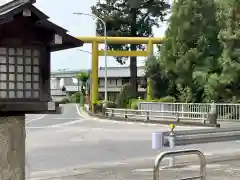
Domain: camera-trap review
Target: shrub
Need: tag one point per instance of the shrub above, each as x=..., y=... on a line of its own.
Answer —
x=170, y=99
x=133, y=103
x=98, y=108
x=75, y=98
x=64, y=101
x=111, y=104
x=99, y=105
x=124, y=96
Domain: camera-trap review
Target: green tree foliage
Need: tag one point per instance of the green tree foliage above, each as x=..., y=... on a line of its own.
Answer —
x=82, y=78
x=118, y=17
x=228, y=84
x=159, y=81
x=124, y=96
x=122, y=20
x=191, y=49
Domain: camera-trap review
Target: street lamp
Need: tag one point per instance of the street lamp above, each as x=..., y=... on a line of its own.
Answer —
x=105, y=50
x=88, y=84
x=84, y=51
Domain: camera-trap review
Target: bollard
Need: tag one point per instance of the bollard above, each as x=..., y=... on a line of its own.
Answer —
x=171, y=140
x=112, y=113
x=177, y=118
x=157, y=140
x=212, y=115
x=125, y=115
x=147, y=116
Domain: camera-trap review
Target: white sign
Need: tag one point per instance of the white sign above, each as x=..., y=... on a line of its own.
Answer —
x=72, y=88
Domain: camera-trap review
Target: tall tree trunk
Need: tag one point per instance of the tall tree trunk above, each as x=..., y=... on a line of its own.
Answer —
x=133, y=60
x=12, y=148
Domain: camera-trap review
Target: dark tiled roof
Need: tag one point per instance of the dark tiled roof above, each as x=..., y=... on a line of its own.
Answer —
x=9, y=10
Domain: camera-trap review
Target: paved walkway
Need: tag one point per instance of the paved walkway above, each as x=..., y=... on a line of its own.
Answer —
x=72, y=146
x=216, y=171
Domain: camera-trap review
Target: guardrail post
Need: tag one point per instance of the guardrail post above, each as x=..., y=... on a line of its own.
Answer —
x=147, y=116
x=112, y=113
x=106, y=112
x=125, y=116
x=171, y=140
x=177, y=117
x=204, y=118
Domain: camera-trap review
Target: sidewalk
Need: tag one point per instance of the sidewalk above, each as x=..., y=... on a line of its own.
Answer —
x=225, y=165
x=215, y=171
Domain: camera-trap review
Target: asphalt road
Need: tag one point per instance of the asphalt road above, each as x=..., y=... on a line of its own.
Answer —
x=75, y=146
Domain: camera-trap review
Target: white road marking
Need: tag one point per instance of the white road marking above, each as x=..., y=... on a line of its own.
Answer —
x=31, y=120
x=65, y=123
x=143, y=170
x=78, y=111
x=63, y=118
x=77, y=120
x=34, y=127
x=85, y=115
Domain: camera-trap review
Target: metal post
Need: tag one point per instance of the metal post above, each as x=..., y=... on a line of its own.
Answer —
x=79, y=92
x=149, y=83
x=105, y=57
x=105, y=49
x=87, y=88
x=94, y=77
x=212, y=116
x=172, y=140
x=160, y=157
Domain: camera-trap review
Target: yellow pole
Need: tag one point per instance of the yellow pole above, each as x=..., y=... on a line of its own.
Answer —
x=94, y=75
x=150, y=54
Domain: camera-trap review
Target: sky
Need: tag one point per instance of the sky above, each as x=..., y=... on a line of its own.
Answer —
x=61, y=13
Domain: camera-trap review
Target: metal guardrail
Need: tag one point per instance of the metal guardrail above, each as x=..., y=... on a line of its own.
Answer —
x=160, y=157
x=225, y=111
x=155, y=115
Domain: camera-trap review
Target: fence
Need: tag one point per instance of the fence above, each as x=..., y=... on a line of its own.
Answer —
x=225, y=111
x=156, y=115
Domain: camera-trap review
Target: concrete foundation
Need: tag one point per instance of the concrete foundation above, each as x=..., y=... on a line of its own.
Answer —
x=12, y=148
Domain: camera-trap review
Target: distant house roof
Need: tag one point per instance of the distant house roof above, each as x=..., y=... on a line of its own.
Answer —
x=112, y=72
x=120, y=72
x=13, y=8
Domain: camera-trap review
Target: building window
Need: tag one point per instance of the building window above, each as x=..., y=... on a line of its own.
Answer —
x=125, y=81
x=19, y=73
x=119, y=83
x=113, y=82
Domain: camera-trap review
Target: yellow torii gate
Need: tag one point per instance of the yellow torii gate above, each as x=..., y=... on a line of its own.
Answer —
x=95, y=41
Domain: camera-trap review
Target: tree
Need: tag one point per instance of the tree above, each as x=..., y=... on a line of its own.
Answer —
x=228, y=84
x=83, y=78
x=124, y=96
x=121, y=20
x=159, y=82
x=191, y=48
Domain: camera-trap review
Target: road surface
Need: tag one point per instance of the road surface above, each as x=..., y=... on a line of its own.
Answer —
x=74, y=146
